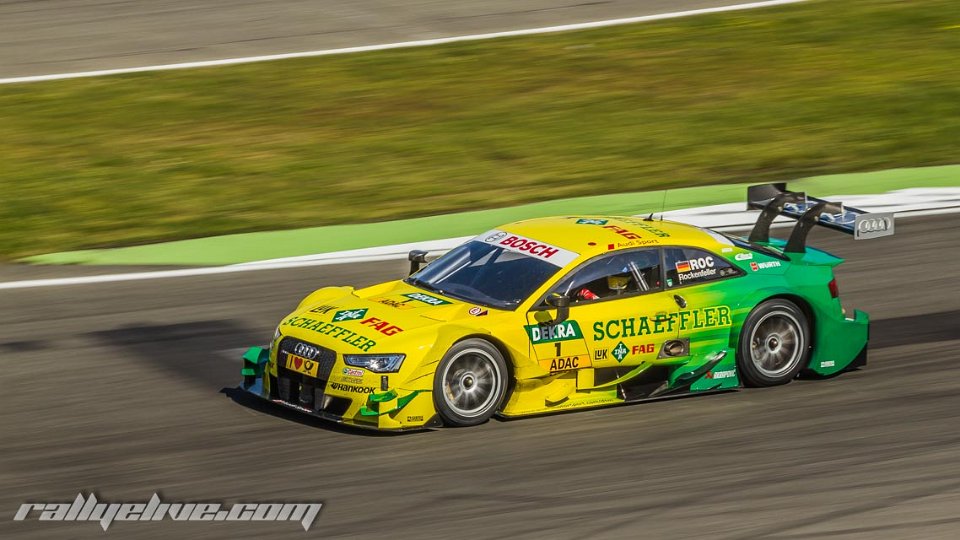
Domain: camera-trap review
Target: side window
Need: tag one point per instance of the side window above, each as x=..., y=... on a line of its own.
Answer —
x=689, y=266
x=613, y=275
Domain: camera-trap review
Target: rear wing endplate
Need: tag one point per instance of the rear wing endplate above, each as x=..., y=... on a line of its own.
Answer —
x=774, y=200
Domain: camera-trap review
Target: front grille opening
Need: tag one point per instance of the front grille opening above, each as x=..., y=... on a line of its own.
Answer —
x=302, y=390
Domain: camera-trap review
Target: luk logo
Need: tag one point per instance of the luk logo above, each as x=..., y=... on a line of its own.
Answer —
x=620, y=352
x=349, y=315
x=564, y=331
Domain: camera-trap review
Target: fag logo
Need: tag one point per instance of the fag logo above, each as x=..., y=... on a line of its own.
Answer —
x=381, y=326
x=623, y=232
x=620, y=352
x=349, y=315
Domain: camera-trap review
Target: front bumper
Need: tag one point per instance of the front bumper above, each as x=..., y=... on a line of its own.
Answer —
x=366, y=402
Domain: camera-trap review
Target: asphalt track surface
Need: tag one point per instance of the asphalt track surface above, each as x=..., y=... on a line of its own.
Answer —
x=124, y=389
x=39, y=37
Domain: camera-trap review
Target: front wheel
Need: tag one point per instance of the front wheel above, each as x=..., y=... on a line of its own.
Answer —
x=774, y=343
x=470, y=383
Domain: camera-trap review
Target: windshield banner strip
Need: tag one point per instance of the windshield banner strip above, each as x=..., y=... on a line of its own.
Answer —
x=528, y=246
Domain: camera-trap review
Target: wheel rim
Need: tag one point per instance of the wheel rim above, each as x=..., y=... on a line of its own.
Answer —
x=470, y=383
x=776, y=344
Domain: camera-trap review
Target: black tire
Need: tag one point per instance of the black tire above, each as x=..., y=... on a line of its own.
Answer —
x=774, y=344
x=470, y=383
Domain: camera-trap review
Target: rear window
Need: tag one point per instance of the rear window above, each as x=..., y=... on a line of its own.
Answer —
x=744, y=244
x=691, y=266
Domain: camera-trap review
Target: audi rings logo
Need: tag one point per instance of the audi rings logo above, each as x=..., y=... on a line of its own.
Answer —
x=306, y=351
x=874, y=225
x=494, y=237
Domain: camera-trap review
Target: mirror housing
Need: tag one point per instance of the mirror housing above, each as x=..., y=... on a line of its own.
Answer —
x=561, y=303
x=416, y=258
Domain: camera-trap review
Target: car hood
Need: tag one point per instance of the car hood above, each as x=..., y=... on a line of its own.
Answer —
x=374, y=319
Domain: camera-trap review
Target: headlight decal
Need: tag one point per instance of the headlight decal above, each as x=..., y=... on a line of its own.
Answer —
x=377, y=363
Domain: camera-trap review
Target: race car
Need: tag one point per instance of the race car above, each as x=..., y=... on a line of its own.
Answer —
x=574, y=312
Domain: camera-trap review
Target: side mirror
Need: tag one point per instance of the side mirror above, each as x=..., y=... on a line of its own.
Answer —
x=562, y=304
x=416, y=258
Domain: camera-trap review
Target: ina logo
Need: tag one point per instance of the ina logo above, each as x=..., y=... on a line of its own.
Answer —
x=620, y=352
x=349, y=315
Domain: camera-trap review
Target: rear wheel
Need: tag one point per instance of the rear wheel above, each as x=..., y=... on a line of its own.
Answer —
x=774, y=343
x=470, y=383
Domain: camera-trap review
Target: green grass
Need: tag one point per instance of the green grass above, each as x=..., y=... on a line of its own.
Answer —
x=771, y=94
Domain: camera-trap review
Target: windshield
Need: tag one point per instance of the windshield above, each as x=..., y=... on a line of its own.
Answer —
x=485, y=274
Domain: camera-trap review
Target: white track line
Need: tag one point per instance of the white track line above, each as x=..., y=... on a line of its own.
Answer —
x=399, y=45
x=326, y=260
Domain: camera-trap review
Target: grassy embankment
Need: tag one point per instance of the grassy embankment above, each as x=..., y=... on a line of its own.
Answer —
x=771, y=94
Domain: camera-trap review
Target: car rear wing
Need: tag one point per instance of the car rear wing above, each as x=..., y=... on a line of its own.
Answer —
x=774, y=200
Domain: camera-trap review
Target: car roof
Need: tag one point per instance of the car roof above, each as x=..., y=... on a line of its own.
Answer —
x=589, y=236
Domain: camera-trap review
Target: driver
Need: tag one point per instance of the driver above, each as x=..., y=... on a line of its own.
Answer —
x=616, y=284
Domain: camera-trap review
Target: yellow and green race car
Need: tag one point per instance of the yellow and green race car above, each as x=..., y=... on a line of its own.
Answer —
x=564, y=313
